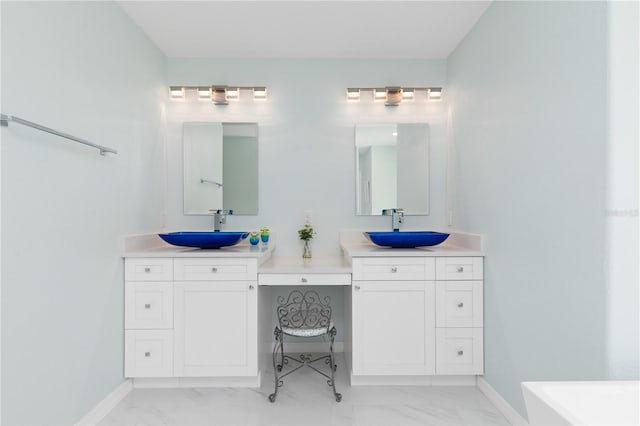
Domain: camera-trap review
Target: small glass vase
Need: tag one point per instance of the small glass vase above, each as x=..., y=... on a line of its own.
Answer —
x=306, y=251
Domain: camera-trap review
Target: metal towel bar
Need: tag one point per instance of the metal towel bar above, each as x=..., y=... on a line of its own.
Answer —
x=4, y=121
x=213, y=182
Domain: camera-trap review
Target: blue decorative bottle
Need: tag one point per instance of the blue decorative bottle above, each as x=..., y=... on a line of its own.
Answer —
x=264, y=235
x=254, y=239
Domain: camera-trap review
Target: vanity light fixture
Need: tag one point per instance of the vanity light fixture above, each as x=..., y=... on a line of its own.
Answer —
x=204, y=93
x=259, y=93
x=435, y=94
x=177, y=92
x=233, y=93
x=218, y=94
x=353, y=94
x=408, y=94
x=379, y=94
x=394, y=95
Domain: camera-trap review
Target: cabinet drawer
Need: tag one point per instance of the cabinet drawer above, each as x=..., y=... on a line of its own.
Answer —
x=148, y=305
x=458, y=268
x=215, y=269
x=459, y=351
x=459, y=304
x=148, y=353
x=304, y=279
x=148, y=269
x=393, y=268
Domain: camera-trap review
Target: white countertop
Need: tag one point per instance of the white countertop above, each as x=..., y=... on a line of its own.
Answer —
x=354, y=244
x=152, y=246
x=298, y=265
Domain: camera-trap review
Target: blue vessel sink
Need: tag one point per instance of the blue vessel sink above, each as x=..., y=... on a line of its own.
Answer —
x=406, y=239
x=205, y=240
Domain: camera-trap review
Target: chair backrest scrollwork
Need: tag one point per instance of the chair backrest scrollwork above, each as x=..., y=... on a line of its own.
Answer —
x=304, y=310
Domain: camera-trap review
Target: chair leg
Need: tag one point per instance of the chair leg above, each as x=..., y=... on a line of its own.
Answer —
x=333, y=366
x=277, y=367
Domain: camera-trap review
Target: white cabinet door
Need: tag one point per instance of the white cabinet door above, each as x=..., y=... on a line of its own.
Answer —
x=393, y=327
x=215, y=328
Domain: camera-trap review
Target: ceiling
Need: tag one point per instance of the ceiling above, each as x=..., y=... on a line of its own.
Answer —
x=306, y=29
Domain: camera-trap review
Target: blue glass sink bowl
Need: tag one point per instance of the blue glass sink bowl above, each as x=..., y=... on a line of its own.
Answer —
x=205, y=240
x=406, y=239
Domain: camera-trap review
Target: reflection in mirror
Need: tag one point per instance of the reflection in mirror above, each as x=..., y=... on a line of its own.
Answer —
x=220, y=167
x=392, y=168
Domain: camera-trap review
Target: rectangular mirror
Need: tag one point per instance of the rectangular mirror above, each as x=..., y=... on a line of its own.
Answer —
x=220, y=167
x=392, y=168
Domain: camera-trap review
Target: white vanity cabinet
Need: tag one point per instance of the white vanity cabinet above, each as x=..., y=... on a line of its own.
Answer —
x=459, y=316
x=393, y=316
x=417, y=315
x=148, y=317
x=215, y=316
x=190, y=317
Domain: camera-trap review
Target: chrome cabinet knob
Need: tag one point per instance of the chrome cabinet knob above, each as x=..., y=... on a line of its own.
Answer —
x=147, y=269
x=357, y=287
x=214, y=270
x=394, y=269
x=460, y=353
x=460, y=269
x=147, y=305
x=460, y=305
x=303, y=279
x=251, y=287
x=147, y=354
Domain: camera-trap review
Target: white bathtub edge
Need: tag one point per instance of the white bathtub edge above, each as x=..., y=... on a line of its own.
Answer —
x=501, y=404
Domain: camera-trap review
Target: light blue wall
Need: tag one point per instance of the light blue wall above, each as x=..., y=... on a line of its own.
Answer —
x=528, y=95
x=307, y=144
x=622, y=269
x=306, y=140
x=85, y=69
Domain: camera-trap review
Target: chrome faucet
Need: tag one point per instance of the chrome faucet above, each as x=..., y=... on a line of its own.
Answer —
x=219, y=218
x=397, y=217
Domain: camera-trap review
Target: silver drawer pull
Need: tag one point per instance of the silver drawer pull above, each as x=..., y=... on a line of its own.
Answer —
x=460, y=305
x=147, y=305
x=147, y=354
x=214, y=270
x=147, y=269
x=303, y=280
x=357, y=287
x=394, y=269
x=460, y=269
x=460, y=353
x=251, y=287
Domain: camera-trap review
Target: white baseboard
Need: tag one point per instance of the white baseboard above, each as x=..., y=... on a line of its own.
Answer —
x=197, y=382
x=503, y=406
x=412, y=380
x=103, y=407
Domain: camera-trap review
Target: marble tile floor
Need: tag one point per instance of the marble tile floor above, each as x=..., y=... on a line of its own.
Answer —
x=305, y=399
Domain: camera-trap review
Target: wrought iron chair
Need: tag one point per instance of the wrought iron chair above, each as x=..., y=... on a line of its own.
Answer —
x=303, y=315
